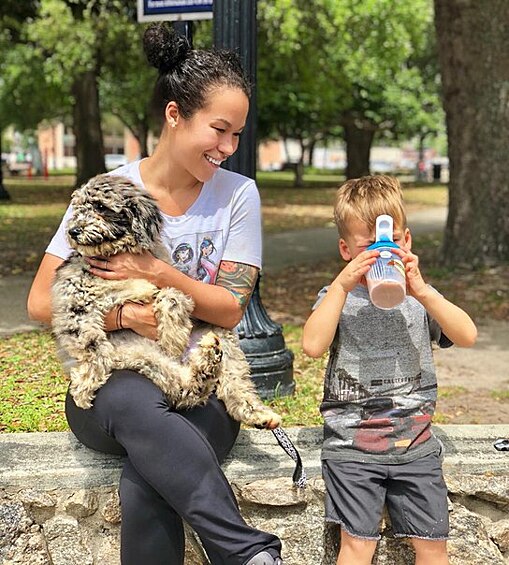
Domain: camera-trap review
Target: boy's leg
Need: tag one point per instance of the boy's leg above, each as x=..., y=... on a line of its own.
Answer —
x=355, y=499
x=355, y=551
x=430, y=552
x=417, y=505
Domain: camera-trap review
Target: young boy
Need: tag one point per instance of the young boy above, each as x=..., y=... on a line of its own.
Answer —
x=380, y=387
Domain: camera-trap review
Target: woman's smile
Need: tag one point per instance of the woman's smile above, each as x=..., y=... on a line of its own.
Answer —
x=216, y=162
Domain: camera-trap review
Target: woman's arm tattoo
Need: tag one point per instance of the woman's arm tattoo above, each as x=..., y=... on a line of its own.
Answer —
x=239, y=279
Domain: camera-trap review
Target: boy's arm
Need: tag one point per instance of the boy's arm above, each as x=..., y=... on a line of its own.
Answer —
x=321, y=326
x=454, y=322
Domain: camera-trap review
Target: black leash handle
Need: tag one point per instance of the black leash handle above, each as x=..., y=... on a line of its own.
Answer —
x=299, y=475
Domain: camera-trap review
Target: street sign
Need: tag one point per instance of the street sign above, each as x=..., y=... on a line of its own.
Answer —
x=153, y=10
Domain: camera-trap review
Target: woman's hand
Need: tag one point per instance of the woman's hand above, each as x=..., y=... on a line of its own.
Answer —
x=124, y=266
x=137, y=317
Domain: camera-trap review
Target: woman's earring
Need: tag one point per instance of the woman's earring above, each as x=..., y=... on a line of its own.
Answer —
x=173, y=123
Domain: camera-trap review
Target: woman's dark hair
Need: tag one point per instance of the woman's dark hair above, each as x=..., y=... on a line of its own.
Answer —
x=188, y=75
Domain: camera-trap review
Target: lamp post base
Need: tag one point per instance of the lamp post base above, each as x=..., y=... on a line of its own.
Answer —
x=262, y=341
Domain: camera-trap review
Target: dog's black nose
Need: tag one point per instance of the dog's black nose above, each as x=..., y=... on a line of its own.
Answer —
x=74, y=232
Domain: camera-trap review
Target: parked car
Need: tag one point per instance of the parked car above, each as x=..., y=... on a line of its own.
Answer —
x=114, y=160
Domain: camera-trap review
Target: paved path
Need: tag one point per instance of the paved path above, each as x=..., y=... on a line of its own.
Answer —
x=312, y=245
x=280, y=251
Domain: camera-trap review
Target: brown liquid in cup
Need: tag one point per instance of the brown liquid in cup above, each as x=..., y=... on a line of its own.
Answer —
x=386, y=294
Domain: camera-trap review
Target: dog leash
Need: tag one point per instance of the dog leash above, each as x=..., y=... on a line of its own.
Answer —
x=299, y=475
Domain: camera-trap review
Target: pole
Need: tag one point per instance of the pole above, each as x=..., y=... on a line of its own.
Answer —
x=235, y=29
x=184, y=28
x=261, y=339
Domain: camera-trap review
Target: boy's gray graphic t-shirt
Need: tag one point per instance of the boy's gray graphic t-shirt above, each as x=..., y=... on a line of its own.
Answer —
x=380, y=384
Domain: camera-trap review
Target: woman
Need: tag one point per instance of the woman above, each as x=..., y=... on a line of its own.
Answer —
x=172, y=467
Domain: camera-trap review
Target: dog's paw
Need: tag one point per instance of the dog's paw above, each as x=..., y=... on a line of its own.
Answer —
x=210, y=345
x=81, y=399
x=205, y=358
x=262, y=417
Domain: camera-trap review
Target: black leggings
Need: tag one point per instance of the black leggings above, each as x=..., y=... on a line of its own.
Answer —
x=171, y=472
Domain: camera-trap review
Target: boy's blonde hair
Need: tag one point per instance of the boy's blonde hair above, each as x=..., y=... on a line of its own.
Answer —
x=366, y=198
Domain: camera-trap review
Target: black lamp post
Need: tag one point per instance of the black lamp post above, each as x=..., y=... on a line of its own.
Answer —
x=261, y=339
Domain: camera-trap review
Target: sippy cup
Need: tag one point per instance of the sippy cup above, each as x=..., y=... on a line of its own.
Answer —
x=386, y=278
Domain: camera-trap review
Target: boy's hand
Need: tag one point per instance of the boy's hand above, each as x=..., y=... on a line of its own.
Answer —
x=416, y=286
x=354, y=272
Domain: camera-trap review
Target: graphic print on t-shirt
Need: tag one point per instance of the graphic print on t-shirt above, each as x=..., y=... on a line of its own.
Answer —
x=197, y=254
x=373, y=421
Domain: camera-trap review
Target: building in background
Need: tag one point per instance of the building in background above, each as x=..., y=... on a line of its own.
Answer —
x=56, y=144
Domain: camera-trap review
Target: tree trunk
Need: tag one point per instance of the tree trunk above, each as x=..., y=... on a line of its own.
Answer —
x=473, y=39
x=298, y=181
x=139, y=129
x=87, y=128
x=141, y=135
x=4, y=195
x=421, y=173
x=310, y=153
x=299, y=174
x=358, y=148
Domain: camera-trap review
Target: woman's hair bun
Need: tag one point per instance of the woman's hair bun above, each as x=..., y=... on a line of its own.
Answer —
x=164, y=47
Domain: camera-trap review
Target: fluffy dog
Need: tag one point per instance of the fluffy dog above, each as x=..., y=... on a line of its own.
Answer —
x=110, y=214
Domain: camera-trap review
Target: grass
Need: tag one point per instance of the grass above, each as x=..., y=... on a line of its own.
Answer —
x=289, y=208
x=28, y=221
x=33, y=387
x=500, y=395
x=301, y=409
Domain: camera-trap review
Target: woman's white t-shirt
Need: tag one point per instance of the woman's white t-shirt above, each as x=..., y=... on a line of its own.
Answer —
x=223, y=224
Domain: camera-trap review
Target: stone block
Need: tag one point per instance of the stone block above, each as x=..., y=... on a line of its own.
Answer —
x=51, y=488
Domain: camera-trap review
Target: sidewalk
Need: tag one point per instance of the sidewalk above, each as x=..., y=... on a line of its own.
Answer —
x=280, y=250
x=310, y=246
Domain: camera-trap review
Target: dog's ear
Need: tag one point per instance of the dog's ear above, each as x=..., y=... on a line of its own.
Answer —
x=146, y=219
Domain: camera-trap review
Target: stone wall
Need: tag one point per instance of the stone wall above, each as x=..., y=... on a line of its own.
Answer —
x=59, y=504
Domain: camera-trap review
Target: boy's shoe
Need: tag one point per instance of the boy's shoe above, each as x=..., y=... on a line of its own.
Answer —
x=264, y=558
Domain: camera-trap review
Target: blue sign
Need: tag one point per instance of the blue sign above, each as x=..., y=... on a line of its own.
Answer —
x=151, y=10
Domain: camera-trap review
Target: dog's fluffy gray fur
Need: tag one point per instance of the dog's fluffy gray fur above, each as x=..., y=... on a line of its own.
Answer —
x=110, y=214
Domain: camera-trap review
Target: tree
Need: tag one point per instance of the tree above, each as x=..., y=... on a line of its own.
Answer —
x=297, y=88
x=69, y=33
x=127, y=82
x=473, y=40
x=76, y=36
x=12, y=16
x=382, y=48
x=343, y=65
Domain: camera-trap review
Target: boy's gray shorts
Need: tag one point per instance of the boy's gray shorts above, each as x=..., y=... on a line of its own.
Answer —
x=415, y=494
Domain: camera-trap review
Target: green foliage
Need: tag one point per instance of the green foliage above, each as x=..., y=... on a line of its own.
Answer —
x=325, y=62
x=27, y=96
x=13, y=14
x=297, y=88
x=126, y=82
x=70, y=46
